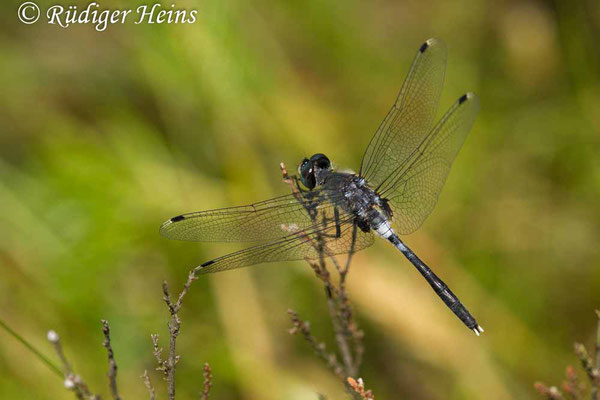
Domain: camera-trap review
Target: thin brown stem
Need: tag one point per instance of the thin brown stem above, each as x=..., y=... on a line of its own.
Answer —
x=340, y=312
x=352, y=329
x=174, y=325
x=595, y=392
x=76, y=383
x=149, y=386
x=341, y=336
x=303, y=328
x=207, y=382
x=573, y=388
x=54, y=339
x=112, y=364
x=551, y=393
x=571, y=385
x=333, y=305
x=587, y=364
x=347, y=335
x=72, y=381
x=359, y=387
x=157, y=351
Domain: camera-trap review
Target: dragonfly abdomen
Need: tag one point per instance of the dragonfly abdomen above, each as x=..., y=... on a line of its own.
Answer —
x=440, y=288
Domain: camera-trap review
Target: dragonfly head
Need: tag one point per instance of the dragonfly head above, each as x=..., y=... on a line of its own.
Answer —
x=310, y=168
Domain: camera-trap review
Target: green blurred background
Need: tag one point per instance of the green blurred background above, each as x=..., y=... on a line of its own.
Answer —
x=103, y=135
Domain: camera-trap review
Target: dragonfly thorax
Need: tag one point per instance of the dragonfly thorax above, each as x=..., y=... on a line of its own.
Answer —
x=358, y=199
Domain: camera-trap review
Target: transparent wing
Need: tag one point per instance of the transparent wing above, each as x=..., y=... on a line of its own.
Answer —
x=411, y=116
x=415, y=188
x=266, y=220
x=329, y=238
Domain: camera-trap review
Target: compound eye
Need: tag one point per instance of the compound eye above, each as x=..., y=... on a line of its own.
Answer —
x=304, y=167
x=309, y=180
x=307, y=175
x=321, y=161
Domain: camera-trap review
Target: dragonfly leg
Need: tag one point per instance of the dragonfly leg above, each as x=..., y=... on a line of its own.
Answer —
x=338, y=228
x=337, y=222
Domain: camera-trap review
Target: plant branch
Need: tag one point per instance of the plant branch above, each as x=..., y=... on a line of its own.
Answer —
x=174, y=325
x=572, y=386
x=72, y=381
x=335, y=305
x=596, y=383
x=207, y=382
x=348, y=337
x=303, y=328
x=149, y=386
x=112, y=364
x=587, y=363
x=359, y=387
x=551, y=393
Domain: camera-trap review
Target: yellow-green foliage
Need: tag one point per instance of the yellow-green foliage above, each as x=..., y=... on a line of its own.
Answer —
x=104, y=135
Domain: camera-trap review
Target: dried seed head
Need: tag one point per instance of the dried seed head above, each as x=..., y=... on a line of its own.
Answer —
x=52, y=336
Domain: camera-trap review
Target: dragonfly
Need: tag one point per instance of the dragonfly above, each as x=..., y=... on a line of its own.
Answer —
x=333, y=212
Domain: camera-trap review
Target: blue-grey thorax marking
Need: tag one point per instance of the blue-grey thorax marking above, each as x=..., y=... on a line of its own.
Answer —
x=357, y=199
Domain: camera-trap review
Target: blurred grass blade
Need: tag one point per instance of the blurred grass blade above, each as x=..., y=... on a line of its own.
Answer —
x=30, y=347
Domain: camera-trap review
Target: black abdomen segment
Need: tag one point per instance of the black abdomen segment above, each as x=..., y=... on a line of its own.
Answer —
x=440, y=288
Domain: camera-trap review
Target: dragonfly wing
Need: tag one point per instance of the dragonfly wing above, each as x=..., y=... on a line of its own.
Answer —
x=330, y=238
x=414, y=190
x=411, y=116
x=266, y=220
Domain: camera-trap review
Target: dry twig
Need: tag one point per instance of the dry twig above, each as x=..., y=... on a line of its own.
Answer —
x=359, y=387
x=588, y=365
x=112, y=364
x=571, y=386
x=551, y=393
x=168, y=366
x=596, y=384
x=157, y=351
x=72, y=381
x=303, y=328
x=207, y=382
x=348, y=336
x=149, y=386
